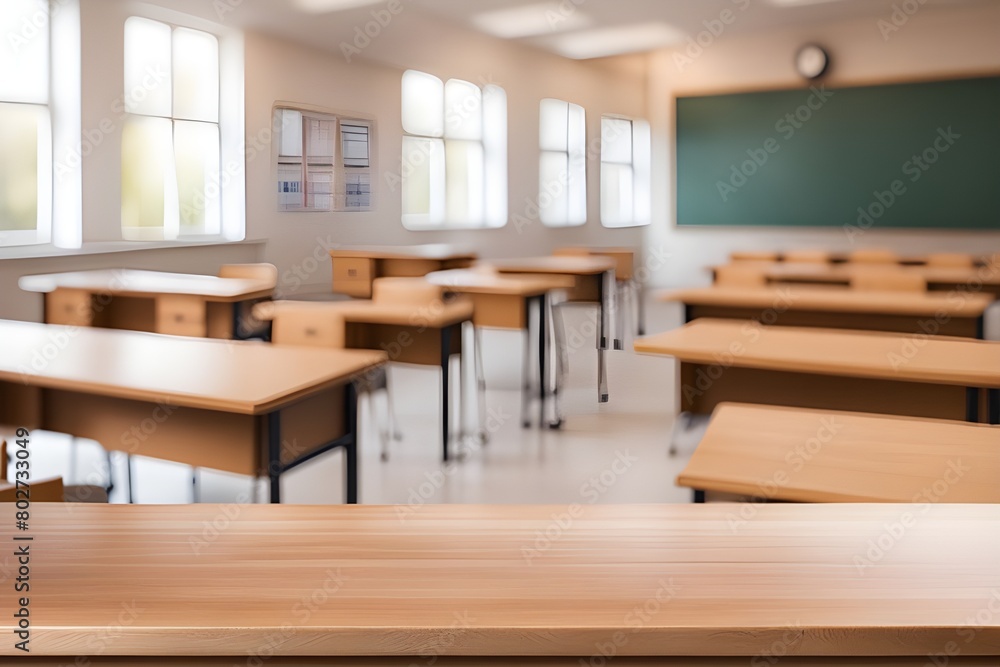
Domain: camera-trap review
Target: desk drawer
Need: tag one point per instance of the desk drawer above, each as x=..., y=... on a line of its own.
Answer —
x=307, y=329
x=180, y=315
x=353, y=276
x=72, y=307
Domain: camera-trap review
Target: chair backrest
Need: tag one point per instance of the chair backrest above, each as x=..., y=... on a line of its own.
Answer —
x=873, y=256
x=307, y=324
x=405, y=291
x=950, y=260
x=741, y=274
x=264, y=272
x=888, y=280
x=48, y=490
x=812, y=256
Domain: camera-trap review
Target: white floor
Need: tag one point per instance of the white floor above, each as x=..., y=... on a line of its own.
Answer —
x=605, y=453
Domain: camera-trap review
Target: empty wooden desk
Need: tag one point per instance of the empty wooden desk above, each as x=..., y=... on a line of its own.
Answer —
x=300, y=585
x=904, y=374
x=625, y=275
x=171, y=303
x=427, y=335
x=800, y=305
x=504, y=301
x=355, y=267
x=594, y=278
x=244, y=407
x=822, y=456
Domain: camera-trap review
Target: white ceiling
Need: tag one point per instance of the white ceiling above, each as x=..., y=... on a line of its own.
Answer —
x=575, y=28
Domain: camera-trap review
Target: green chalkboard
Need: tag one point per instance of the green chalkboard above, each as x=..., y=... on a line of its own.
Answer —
x=902, y=155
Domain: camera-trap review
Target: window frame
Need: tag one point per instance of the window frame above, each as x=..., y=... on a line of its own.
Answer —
x=571, y=182
x=639, y=165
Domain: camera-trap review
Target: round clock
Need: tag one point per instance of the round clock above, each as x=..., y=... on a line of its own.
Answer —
x=811, y=61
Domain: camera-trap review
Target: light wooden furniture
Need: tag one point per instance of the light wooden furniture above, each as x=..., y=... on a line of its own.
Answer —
x=890, y=373
x=505, y=301
x=594, y=283
x=657, y=584
x=754, y=256
x=630, y=290
x=933, y=313
x=172, y=303
x=244, y=407
x=821, y=456
x=873, y=256
x=959, y=260
x=888, y=280
x=741, y=274
x=46, y=490
x=422, y=333
x=806, y=256
x=356, y=267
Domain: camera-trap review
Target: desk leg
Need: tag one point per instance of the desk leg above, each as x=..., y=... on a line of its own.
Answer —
x=993, y=401
x=274, y=454
x=542, y=345
x=971, y=404
x=351, y=446
x=236, y=321
x=699, y=496
x=445, y=358
x=640, y=307
x=526, y=366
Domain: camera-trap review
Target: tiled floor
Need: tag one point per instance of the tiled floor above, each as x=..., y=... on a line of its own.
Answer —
x=610, y=453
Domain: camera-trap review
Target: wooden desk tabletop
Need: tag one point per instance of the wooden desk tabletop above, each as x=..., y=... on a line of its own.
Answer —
x=797, y=297
x=230, y=376
x=473, y=281
x=436, y=315
x=842, y=273
x=828, y=456
x=463, y=580
x=866, y=354
x=426, y=251
x=564, y=264
x=135, y=282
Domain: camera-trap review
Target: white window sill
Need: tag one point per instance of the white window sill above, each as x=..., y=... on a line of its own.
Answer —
x=105, y=247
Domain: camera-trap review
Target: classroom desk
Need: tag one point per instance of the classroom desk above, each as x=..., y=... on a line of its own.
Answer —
x=451, y=581
x=244, y=407
x=902, y=374
x=625, y=270
x=504, y=301
x=801, y=305
x=824, y=456
x=356, y=267
x=169, y=303
x=424, y=334
x=985, y=279
x=594, y=278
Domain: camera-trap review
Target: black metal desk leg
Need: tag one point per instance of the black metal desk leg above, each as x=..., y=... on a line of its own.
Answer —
x=445, y=358
x=274, y=454
x=699, y=496
x=351, y=447
x=640, y=308
x=971, y=404
x=236, y=321
x=993, y=400
x=602, y=338
x=543, y=383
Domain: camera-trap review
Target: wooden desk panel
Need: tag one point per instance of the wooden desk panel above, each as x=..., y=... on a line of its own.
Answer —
x=797, y=305
x=356, y=267
x=827, y=456
x=729, y=360
x=454, y=580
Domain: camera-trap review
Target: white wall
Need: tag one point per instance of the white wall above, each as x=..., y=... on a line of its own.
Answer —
x=932, y=43
x=280, y=71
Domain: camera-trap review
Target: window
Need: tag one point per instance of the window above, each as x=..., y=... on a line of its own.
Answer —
x=171, y=144
x=625, y=172
x=454, y=160
x=25, y=124
x=562, y=168
x=336, y=172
